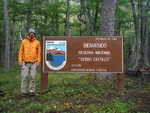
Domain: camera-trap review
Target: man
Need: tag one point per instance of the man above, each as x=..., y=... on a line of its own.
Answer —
x=29, y=59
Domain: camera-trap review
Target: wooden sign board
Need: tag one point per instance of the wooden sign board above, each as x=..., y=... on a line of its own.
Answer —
x=83, y=54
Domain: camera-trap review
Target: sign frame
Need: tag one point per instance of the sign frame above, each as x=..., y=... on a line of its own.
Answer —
x=57, y=37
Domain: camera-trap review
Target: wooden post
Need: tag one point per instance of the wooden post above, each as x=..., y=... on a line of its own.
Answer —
x=120, y=83
x=44, y=75
x=44, y=80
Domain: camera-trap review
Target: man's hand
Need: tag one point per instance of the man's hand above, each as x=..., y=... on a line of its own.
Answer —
x=22, y=65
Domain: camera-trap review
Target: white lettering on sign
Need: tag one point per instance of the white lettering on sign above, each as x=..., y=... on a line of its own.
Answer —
x=94, y=59
x=83, y=69
x=103, y=70
x=94, y=52
x=94, y=45
x=101, y=59
x=76, y=65
x=107, y=38
x=85, y=59
x=85, y=52
x=103, y=52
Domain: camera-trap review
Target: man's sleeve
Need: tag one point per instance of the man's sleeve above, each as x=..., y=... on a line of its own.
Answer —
x=20, y=55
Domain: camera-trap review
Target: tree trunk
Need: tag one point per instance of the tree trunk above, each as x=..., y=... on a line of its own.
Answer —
x=67, y=26
x=107, y=27
x=7, y=36
x=140, y=48
x=146, y=45
x=144, y=40
x=13, y=43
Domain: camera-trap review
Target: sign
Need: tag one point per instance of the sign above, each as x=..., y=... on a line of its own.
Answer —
x=56, y=54
x=83, y=54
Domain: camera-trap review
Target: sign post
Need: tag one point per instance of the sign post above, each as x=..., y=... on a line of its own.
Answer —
x=44, y=80
x=85, y=54
x=44, y=75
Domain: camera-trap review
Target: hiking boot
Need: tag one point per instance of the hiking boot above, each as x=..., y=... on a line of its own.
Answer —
x=32, y=94
x=24, y=94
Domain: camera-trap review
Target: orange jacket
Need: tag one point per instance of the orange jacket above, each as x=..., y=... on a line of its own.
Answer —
x=30, y=51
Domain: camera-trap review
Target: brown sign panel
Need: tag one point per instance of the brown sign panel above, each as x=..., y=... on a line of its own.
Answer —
x=83, y=54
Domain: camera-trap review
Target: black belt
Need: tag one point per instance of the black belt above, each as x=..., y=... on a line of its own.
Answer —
x=29, y=62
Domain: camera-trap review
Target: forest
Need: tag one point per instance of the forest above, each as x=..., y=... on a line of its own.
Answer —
x=127, y=18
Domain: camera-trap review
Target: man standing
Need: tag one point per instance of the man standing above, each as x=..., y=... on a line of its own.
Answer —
x=29, y=58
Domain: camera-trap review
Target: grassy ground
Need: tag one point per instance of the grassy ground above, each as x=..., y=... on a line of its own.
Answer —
x=73, y=93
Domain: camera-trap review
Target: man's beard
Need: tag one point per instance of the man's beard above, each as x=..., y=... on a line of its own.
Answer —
x=31, y=38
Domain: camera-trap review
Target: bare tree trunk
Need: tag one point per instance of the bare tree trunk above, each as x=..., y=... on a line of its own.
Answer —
x=144, y=39
x=67, y=26
x=13, y=43
x=107, y=26
x=144, y=32
x=134, y=47
x=138, y=24
x=140, y=48
x=7, y=36
x=146, y=45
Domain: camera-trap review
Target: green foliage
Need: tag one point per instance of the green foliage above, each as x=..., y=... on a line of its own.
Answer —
x=67, y=93
x=48, y=18
x=115, y=107
x=34, y=107
x=7, y=81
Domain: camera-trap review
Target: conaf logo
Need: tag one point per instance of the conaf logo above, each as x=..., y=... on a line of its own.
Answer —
x=56, y=54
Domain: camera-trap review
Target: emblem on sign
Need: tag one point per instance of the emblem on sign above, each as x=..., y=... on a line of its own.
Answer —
x=56, y=54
